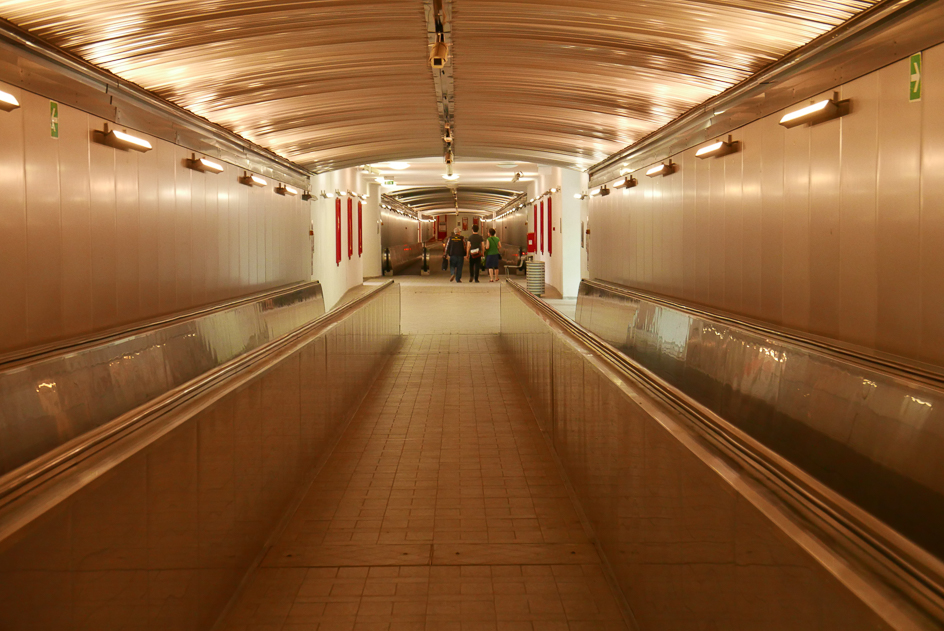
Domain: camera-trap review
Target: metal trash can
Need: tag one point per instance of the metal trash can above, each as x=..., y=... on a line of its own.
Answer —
x=536, y=277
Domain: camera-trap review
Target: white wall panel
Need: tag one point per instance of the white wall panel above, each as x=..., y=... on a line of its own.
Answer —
x=834, y=229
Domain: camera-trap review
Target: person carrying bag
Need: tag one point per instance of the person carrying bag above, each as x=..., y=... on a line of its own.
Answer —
x=474, y=251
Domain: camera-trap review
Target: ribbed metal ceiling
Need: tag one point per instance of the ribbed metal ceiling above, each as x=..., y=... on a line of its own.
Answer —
x=331, y=83
x=571, y=82
x=466, y=198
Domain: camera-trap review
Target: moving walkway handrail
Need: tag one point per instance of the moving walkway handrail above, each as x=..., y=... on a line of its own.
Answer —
x=907, y=567
x=875, y=360
x=42, y=470
x=25, y=356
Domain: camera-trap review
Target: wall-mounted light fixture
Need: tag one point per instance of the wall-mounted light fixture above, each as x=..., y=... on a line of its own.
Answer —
x=604, y=191
x=626, y=182
x=338, y=193
x=554, y=190
x=204, y=165
x=122, y=140
x=595, y=192
x=250, y=179
x=580, y=196
x=819, y=112
x=666, y=168
x=8, y=102
x=516, y=177
x=719, y=148
x=286, y=190
x=306, y=196
x=326, y=194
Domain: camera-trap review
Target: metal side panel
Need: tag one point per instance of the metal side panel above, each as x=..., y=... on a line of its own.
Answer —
x=872, y=434
x=694, y=538
x=49, y=400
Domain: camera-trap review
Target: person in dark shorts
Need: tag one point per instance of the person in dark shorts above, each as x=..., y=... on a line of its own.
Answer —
x=475, y=252
x=492, y=255
x=456, y=251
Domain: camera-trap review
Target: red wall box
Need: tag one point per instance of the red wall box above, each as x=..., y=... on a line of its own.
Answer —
x=532, y=246
x=360, y=229
x=350, y=227
x=550, y=227
x=337, y=230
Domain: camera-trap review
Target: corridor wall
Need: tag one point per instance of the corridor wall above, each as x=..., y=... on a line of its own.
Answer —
x=833, y=230
x=92, y=237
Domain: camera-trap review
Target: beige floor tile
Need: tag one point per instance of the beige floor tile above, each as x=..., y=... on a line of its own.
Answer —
x=441, y=507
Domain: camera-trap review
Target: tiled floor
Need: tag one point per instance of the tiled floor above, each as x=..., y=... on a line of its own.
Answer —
x=441, y=508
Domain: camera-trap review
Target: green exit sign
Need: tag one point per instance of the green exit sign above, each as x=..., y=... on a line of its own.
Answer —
x=914, y=90
x=53, y=119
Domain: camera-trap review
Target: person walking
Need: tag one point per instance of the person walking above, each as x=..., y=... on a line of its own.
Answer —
x=492, y=255
x=456, y=251
x=475, y=252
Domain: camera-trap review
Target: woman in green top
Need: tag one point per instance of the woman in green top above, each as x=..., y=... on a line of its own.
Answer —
x=492, y=255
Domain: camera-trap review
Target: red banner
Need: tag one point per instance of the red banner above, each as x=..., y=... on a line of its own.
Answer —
x=475, y=221
x=541, y=238
x=465, y=223
x=350, y=227
x=534, y=229
x=360, y=229
x=337, y=230
x=550, y=227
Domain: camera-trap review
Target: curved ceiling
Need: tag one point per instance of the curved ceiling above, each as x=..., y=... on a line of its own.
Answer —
x=466, y=198
x=331, y=83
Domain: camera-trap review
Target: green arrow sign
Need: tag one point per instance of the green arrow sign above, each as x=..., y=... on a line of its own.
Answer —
x=914, y=93
x=53, y=119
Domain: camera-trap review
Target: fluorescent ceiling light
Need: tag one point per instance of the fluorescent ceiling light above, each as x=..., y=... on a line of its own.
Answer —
x=398, y=166
x=815, y=113
x=204, y=166
x=717, y=149
x=124, y=140
x=661, y=169
x=252, y=180
x=8, y=102
x=285, y=189
x=451, y=176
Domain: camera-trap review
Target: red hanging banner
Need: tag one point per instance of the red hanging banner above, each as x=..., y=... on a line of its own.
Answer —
x=337, y=230
x=534, y=229
x=541, y=237
x=465, y=223
x=360, y=229
x=350, y=227
x=475, y=221
x=550, y=227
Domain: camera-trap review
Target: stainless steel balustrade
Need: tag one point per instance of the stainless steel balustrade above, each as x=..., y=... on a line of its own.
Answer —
x=691, y=510
x=153, y=519
x=48, y=400
x=870, y=428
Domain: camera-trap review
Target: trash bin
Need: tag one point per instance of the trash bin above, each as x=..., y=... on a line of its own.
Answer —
x=536, y=277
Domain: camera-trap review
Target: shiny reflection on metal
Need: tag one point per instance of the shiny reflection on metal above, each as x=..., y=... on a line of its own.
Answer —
x=869, y=431
x=462, y=197
x=868, y=41
x=331, y=85
x=404, y=255
x=912, y=578
x=323, y=84
x=49, y=400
